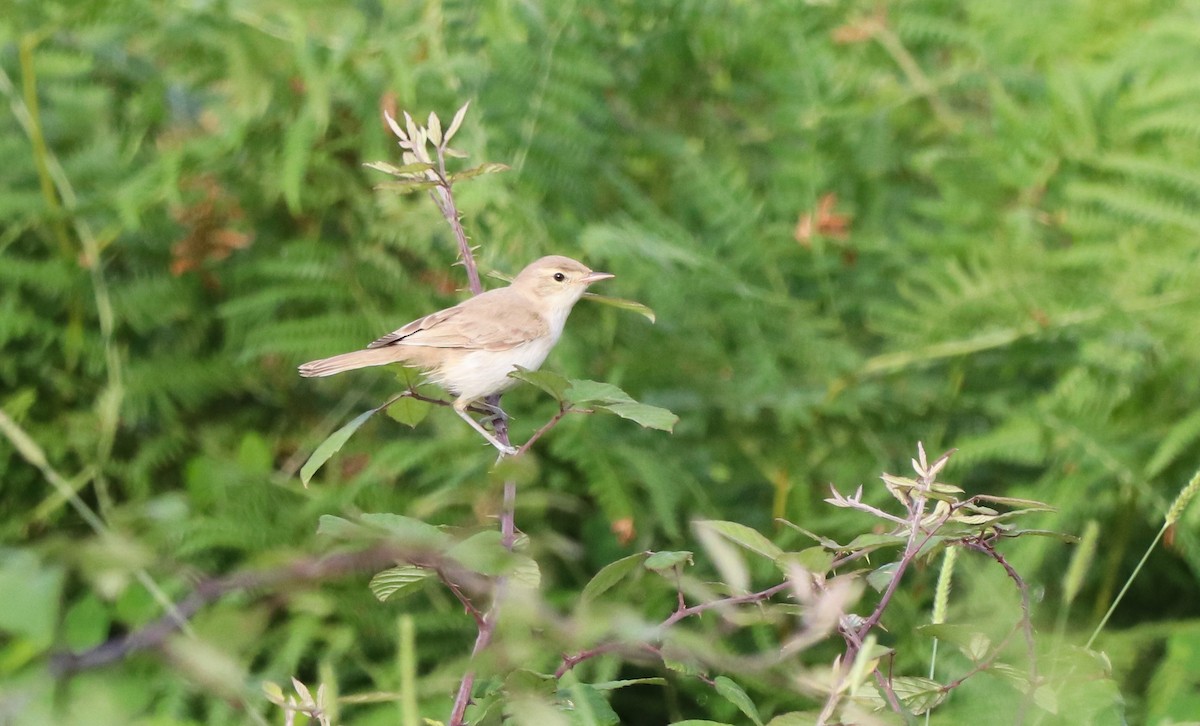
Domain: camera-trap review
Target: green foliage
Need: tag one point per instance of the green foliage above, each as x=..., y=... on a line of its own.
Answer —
x=951, y=222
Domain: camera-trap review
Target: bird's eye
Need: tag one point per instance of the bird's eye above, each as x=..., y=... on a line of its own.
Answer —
x=559, y=277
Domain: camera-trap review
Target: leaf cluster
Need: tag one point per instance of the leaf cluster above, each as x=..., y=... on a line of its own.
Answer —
x=857, y=228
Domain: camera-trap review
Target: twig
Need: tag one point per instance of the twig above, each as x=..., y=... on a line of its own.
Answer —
x=570, y=661
x=545, y=429
x=444, y=199
x=985, y=546
x=467, y=604
x=443, y=196
x=304, y=570
x=986, y=662
x=885, y=685
x=682, y=611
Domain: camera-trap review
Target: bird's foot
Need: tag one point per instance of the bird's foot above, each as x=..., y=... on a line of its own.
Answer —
x=506, y=449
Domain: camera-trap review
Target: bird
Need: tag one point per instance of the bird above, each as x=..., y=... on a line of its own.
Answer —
x=469, y=349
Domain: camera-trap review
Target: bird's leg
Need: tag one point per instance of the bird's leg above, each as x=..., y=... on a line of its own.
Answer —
x=460, y=407
x=494, y=414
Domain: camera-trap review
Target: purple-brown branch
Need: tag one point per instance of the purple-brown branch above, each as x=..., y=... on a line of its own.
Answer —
x=443, y=197
x=545, y=429
x=682, y=611
x=310, y=569
x=986, y=546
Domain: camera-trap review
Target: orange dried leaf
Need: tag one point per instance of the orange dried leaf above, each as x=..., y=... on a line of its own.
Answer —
x=624, y=529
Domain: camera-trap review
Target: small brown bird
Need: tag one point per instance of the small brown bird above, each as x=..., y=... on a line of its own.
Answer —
x=471, y=348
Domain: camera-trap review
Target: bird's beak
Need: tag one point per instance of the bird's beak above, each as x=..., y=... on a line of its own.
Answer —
x=597, y=277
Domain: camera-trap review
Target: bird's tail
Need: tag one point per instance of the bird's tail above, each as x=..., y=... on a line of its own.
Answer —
x=350, y=361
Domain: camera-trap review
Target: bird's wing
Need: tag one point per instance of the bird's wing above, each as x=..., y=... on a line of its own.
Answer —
x=474, y=324
x=428, y=322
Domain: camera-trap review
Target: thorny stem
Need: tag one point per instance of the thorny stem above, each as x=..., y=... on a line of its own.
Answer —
x=682, y=611
x=443, y=197
x=910, y=553
x=986, y=546
x=467, y=604
x=885, y=685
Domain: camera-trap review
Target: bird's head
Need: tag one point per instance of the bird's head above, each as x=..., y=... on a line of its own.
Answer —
x=556, y=280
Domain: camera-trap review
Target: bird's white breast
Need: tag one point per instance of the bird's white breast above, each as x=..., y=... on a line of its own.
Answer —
x=481, y=373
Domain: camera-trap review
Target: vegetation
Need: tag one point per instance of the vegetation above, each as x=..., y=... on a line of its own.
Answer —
x=859, y=227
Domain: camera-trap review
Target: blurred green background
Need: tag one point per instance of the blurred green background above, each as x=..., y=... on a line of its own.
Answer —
x=970, y=223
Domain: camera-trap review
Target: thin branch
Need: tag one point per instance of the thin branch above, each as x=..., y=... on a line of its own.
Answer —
x=462, y=596
x=312, y=569
x=545, y=429
x=444, y=198
x=885, y=685
x=681, y=612
x=753, y=597
x=985, y=546
x=986, y=662
x=570, y=661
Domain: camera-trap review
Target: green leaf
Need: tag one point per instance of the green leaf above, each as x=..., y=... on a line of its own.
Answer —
x=880, y=577
x=698, y=722
x=622, y=304
x=614, y=685
x=482, y=552
x=406, y=530
x=746, y=537
x=586, y=706
x=1060, y=536
x=273, y=692
x=823, y=541
x=584, y=391
x=529, y=680
x=667, y=561
x=918, y=694
x=404, y=187
x=407, y=375
x=735, y=695
x=548, y=381
x=490, y=167
x=610, y=575
x=680, y=666
x=408, y=411
x=795, y=718
x=524, y=570
x=406, y=169
x=86, y=623
x=340, y=528
x=726, y=557
x=875, y=541
x=813, y=559
x=402, y=580
x=651, y=417
x=332, y=445
x=1029, y=504
x=973, y=643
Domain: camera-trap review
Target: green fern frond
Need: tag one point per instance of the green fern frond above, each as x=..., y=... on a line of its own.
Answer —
x=1150, y=172
x=1133, y=206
